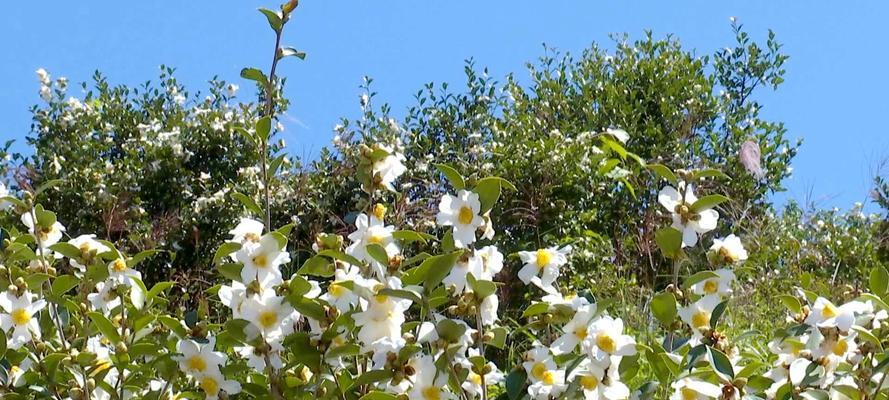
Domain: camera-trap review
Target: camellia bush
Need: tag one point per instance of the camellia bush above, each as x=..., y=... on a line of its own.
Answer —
x=390, y=312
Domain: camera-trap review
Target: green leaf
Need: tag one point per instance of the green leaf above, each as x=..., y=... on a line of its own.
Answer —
x=792, y=303
x=225, y=250
x=663, y=307
x=47, y=185
x=157, y=289
x=104, y=325
x=488, y=190
x=34, y=280
x=708, y=202
x=274, y=19
x=254, y=74
x=401, y=294
x=717, y=313
x=372, y=376
x=406, y=236
x=63, y=283
x=378, y=253
x=2, y=344
x=535, y=309
x=453, y=176
x=449, y=330
x=664, y=172
x=264, y=128
x=291, y=52
x=173, y=325
x=432, y=269
x=879, y=281
x=338, y=255
x=499, y=340
x=67, y=250
x=308, y=307
x=231, y=271
x=249, y=203
x=515, y=383
x=868, y=336
x=378, y=395
x=317, y=266
x=669, y=240
x=141, y=256
x=721, y=364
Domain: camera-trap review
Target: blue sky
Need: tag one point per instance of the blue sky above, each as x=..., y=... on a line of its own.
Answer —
x=834, y=97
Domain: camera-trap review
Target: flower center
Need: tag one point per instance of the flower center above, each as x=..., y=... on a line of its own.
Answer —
x=543, y=258
x=268, y=319
x=251, y=237
x=432, y=393
x=209, y=384
x=197, y=363
x=711, y=286
x=465, y=216
x=606, y=343
x=375, y=239
x=840, y=347
x=475, y=378
x=381, y=298
x=829, y=311
x=21, y=316
x=700, y=319
x=336, y=290
x=261, y=261
x=589, y=382
x=689, y=394
x=379, y=211
x=538, y=370
x=727, y=255
x=119, y=265
x=548, y=378
x=581, y=332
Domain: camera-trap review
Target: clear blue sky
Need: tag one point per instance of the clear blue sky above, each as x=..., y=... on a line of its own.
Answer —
x=835, y=96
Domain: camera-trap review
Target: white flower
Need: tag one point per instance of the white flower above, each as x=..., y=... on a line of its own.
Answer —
x=339, y=295
x=104, y=299
x=542, y=266
x=572, y=300
x=606, y=339
x=233, y=297
x=686, y=221
x=43, y=76
x=618, y=134
x=488, y=309
x=4, y=192
x=19, y=316
x=825, y=314
x=389, y=168
x=550, y=386
x=196, y=359
x=721, y=284
x=591, y=379
x=89, y=248
x=256, y=359
x=462, y=213
x=383, y=317
x=729, y=249
x=213, y=383
x=262, y=260
x=371, y=230
x=382, y=349
x=121, y=273
x=271, y=314
x=47, y=236
x=457, y=276
x=17, y=372
x=694, y=389
x=232, y=89
x=697, y=315
x=429, y=384
x=248, y=230
x=575, y=331
x=492, y=262
x=539, y=363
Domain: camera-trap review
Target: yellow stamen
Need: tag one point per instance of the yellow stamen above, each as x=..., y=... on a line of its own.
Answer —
x=465, y=216
x=700, y=319
x=260, y=261
x=210, y=385
x=119, y=265
x=543, y=258
x=268, y=319
x=711, y=286
x=538, y=370
x=21, y=317
x=589, y=382
x=197, y=363
x=432, y=393
x=606, y=343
